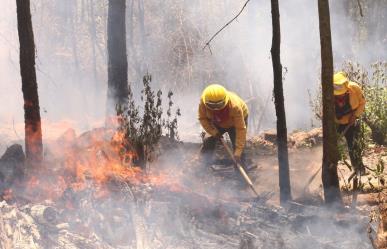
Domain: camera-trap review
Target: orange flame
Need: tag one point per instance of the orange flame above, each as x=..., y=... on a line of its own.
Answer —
x=92, y=161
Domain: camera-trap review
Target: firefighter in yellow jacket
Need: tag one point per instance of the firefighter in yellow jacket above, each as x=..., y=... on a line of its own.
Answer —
x=222, y=111
x=349, y=106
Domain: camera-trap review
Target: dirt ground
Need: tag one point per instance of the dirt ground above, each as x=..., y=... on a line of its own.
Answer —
x=305, y=155
x=304, y=162
x=187, y=184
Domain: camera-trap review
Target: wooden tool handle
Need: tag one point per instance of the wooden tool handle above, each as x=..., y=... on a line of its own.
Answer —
x=240, y=168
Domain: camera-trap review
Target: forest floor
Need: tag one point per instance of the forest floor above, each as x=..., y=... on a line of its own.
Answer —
x=179, y=202
x=305, y=157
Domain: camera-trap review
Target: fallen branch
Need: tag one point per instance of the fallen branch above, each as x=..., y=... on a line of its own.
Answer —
x=224, y=26
x=311, y=179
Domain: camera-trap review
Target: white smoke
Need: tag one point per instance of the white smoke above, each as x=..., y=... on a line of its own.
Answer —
x=240, y=57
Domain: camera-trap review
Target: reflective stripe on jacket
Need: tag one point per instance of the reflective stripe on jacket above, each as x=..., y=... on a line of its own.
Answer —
x=238, y=111
x=356, y=100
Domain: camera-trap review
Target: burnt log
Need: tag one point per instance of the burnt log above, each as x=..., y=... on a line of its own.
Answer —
x=12, y=167
x=44, y=214
x=270, y=135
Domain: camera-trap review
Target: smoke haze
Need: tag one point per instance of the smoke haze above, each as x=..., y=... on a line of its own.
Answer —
x=72, y=71
x=72, y=90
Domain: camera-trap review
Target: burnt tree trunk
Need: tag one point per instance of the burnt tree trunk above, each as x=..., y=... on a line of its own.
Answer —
x=282, y=137
x=330, y=152
x=118, y=90
x=33, y=130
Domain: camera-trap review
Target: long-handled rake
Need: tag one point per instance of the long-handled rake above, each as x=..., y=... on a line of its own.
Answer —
x=239, y=167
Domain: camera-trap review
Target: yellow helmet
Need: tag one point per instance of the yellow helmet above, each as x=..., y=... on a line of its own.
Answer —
x=340, y=82
x=215, y=97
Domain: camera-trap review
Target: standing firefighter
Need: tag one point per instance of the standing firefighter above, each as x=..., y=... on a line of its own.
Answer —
x=221, y=111
x=349, y=105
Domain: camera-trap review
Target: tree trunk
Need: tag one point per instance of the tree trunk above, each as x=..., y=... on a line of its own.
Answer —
x=143, y=63
x=93, y=40
x=130, y=25
x=330, y=152
x=118, y=90
x=283, y=162
x=83, y=10
x=93, y=37
x=73, y=34
x=132, y=51
x=33, y=130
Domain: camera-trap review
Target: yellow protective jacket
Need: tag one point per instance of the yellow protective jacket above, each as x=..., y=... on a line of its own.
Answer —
x=356, y=100
x=238, y=111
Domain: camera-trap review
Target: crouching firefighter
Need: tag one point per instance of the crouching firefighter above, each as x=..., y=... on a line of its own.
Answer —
x=349, y=105
x=222, y=111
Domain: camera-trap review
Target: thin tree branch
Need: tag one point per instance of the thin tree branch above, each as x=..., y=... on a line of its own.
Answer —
x=360, y=8
x=207, y=44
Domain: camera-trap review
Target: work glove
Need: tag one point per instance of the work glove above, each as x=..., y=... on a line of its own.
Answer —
x=218, y=136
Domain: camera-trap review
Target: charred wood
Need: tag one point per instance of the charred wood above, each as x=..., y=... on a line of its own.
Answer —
x=12, y=167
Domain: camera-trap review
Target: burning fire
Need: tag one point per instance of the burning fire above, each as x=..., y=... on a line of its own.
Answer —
x=91, y=161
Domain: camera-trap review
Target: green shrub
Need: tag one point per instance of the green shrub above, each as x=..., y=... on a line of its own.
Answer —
x=375, y=93
x=142, y=130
